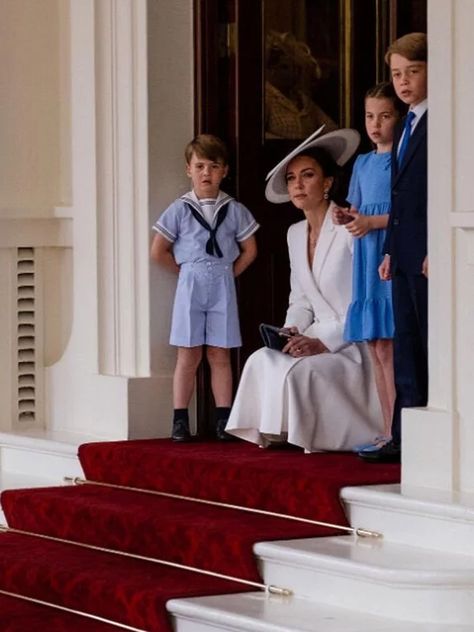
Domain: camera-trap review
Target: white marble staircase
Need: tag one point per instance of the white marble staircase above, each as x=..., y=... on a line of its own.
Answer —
x=419, y=577
x=37, y=459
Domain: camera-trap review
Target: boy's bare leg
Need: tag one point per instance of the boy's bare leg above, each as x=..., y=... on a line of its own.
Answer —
x=187, y=362
x=183, y=386
x=221, y=381
x=221, y=375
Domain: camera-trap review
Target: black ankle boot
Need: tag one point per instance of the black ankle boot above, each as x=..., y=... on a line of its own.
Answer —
x=180, y=430
x=221, y=434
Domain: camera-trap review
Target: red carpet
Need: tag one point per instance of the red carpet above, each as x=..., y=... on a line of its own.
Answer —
x=281, y=480
x=129, y=591
x=134, y=592
x=17, y=615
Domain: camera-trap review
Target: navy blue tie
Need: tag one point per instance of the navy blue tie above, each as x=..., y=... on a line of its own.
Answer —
x=406, y=137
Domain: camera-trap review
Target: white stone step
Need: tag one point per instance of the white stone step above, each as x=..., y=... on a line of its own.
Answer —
x=419, y=517
x=41, y=459
x=41, y=455
x=259, y=612
x=374, y=576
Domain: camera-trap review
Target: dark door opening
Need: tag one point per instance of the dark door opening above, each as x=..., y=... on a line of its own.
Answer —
x=319, y=56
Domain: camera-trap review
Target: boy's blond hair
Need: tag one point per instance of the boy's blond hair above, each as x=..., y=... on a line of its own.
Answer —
x=413, y=46
x=209, y=147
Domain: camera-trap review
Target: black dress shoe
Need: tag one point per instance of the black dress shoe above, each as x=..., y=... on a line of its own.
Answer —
x=221, y=434
x=180, y=430
x=388, y=453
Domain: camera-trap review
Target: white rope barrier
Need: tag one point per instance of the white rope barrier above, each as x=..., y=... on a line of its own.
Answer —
x=361, y=532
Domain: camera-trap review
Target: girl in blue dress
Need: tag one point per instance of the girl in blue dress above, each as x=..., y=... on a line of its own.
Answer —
x=370, y=315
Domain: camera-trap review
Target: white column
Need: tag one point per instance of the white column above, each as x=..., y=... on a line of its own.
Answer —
x=122, y=187
x=88, y=388
x=80, y=400
x=462, y=220
x=438, y=442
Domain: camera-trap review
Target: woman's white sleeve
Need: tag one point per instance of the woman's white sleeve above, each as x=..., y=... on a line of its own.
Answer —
x=300, y=312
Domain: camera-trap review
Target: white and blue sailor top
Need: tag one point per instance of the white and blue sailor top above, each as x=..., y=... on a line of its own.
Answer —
x=195, y=240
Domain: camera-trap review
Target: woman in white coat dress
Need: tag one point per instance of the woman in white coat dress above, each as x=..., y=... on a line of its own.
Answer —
x=319, y=393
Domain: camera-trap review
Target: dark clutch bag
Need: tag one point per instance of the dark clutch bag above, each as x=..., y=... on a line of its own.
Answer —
x=272, y=337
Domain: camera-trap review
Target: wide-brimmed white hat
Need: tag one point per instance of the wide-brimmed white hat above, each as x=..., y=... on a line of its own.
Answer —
x=340, y=144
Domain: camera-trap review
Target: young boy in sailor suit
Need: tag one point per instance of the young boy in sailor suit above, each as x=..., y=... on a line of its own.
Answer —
x=206, y=237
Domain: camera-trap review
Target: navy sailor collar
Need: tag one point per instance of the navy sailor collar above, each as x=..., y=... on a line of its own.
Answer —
x=192, y=199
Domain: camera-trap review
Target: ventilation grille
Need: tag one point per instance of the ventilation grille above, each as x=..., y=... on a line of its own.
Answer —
x=26, y=338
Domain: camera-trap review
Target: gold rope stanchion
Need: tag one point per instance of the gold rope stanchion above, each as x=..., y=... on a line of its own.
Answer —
x=360, y=532
x=86, y=615
x=274, y=590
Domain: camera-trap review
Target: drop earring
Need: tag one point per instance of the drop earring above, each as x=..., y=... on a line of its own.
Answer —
x=326, y=195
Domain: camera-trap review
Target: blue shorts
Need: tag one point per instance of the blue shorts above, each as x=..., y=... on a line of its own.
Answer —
x=205, y=306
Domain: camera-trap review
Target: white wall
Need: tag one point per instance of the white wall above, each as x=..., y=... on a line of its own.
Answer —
x=75, y=115
x=33, y=184
x=171, y=108
x=29, y=107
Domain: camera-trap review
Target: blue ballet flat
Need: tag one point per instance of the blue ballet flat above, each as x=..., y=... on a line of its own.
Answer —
x=372, y=446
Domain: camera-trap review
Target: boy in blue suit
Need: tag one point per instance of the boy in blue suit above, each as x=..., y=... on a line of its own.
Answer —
x=405, y=251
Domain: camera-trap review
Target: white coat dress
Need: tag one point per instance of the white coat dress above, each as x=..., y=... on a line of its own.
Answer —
x=321, y=402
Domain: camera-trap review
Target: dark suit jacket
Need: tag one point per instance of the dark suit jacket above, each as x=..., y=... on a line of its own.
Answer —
x=406, y=240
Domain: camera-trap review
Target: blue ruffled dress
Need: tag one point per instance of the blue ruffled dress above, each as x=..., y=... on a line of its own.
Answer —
x=370, y=315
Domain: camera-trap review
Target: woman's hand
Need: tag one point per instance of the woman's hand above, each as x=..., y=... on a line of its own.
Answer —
x=360, y=224
x=299, y=346
x=290, y=331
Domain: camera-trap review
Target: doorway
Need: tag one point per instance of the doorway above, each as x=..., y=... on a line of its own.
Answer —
x=257, y=61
